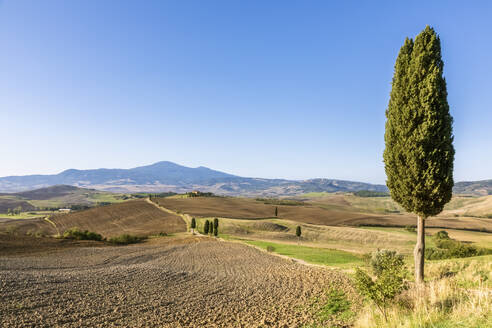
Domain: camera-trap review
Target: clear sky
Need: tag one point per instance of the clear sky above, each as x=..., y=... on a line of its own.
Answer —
x=284, y=89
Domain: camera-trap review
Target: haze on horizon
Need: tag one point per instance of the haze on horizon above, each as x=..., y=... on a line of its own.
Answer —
x=260, y=89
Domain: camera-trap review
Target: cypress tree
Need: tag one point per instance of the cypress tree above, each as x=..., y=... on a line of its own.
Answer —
x=216, y=231
x=193, y=225
x=419, y=150
x=298, y=232
x=216, y=223
x=205, y=227
x=276, y=211
x=211, y=228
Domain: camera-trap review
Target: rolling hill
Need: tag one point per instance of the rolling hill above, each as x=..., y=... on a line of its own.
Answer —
x=136, y=217
x=56, y=196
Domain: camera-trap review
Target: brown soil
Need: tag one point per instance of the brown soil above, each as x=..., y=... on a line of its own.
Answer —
x=133, y=217
x=251, y=209
x=167, y=282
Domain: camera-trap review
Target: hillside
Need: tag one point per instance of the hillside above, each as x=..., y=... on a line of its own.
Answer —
x=56, y=196
x=339, y=210
x=136, y=217
x=482, y=188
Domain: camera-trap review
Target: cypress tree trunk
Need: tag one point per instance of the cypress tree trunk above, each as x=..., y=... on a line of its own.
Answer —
x=419, y=251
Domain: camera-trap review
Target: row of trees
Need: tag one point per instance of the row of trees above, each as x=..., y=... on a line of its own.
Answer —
x=210, y=227
x=15, y=211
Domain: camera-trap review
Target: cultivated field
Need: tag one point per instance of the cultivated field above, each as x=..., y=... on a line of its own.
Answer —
x=137, y=217
x=333, y=210
x=167, y=282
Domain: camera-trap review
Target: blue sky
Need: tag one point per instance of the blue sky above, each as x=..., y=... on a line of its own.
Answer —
x=287, y=89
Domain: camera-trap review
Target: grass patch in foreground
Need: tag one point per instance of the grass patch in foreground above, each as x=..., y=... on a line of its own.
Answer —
x=324, y=256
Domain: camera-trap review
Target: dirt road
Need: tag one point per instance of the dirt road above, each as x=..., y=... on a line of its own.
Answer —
x=167, y=282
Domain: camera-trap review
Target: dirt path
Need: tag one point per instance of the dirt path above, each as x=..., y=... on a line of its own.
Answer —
x=186, y=218
x=168, y=282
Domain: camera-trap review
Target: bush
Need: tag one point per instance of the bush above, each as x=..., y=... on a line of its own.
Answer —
x=336, y=306
x=448, y=248
x=441, y=235
x=390, y=272
x=125, y=239
x=76, y=233
x=270, y=249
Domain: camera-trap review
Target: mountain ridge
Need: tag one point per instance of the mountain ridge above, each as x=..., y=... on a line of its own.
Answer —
x=168, y=176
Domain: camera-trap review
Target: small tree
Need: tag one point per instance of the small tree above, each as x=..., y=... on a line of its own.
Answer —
x=276, y=211
x=206, y=227
x=389, y=269
x=211, y=228
x=216, y=223
x=216, y=231
x=298, y=232
x=193, y=225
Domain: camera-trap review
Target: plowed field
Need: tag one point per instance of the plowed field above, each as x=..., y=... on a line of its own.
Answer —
x=167, y=282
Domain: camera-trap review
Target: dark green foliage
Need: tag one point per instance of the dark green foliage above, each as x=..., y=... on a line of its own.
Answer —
x=216, y=223
x=199, y=194
x=193, y=223
x=389, y=270
x=336, y=305
x=270, y=248
x=211, y=229
x=125, y=239
x=419, y=151
x=443, y=234
x=76, y=233
x=276, y=211
x=216, y=231
x=151, y=196
x=369, y=193
x=206, y=227
x=447, y=248
x=298, y=231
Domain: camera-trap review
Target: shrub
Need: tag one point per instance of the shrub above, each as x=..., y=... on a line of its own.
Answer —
x=125, y=239
x=390, y=272
x=448, y=248
x=336, y=305
x=270, y=248
x=441, y=235
x=76, y=233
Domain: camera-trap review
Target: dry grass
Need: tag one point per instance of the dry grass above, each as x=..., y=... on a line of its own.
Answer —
x=458, y=294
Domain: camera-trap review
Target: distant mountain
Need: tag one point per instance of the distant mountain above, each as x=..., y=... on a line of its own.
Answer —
x=168, y=176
